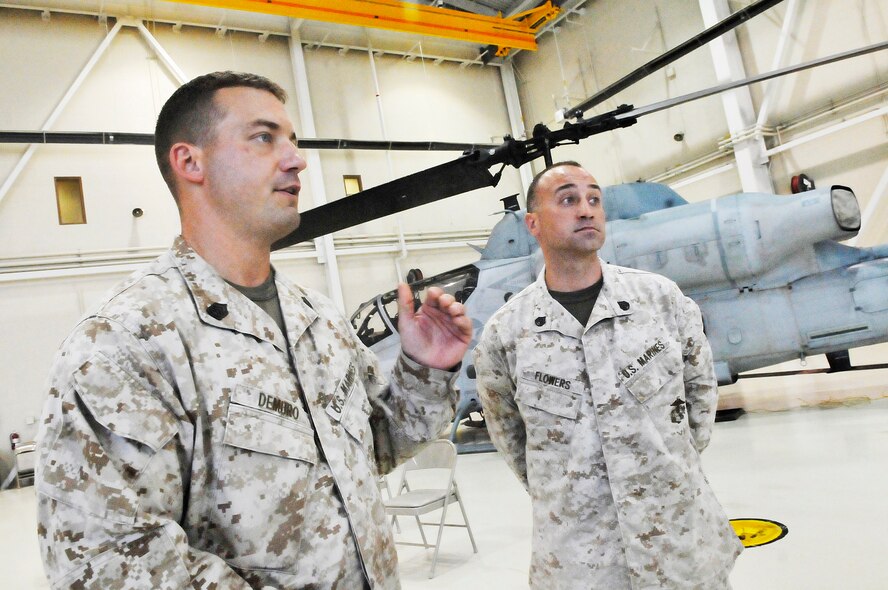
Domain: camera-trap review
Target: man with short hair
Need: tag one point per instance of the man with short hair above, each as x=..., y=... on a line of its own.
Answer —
x=213, y=425
x=598, y=387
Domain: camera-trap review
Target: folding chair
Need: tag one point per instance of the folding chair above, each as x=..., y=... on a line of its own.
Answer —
x=440, y=455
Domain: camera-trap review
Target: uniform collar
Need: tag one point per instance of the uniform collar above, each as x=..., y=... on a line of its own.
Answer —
x=221, y=305
x=548, y=314
x=613, y=300
x=296, y=306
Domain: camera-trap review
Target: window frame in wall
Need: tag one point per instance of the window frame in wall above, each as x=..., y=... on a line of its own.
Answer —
x=352, y=178
x=72, y=192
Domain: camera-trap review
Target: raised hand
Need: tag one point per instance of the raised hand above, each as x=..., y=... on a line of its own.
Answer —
x=438, y=333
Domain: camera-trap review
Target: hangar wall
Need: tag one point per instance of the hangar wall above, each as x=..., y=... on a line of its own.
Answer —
x=124, y=92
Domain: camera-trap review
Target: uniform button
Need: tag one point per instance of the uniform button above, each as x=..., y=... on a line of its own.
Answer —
x=540, y=321
x=623, y=305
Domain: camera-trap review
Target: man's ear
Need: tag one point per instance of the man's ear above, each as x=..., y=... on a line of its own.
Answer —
x=530, y=220
x=187, y=162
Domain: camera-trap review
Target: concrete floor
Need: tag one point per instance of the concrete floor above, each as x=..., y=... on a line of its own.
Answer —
x=823, y=472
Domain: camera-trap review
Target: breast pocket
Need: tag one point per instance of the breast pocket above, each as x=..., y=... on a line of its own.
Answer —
x=269, y=424
x=655, y=374
x=551, y=400
x=254, y=430
x=550, y=417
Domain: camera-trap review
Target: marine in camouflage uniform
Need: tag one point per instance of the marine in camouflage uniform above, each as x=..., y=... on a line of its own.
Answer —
x=177, y=452
x=188, y=441
x=604, y=423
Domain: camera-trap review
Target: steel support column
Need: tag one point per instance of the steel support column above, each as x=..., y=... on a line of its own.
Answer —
x=789, y=20
x=399, y=274
x=516, y=119
x=324, y=245
x=752, y=163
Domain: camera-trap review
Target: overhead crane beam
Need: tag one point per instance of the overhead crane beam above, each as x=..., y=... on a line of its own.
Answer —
x=517, y=32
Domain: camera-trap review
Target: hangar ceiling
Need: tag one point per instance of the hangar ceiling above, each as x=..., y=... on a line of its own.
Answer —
x=328, y=28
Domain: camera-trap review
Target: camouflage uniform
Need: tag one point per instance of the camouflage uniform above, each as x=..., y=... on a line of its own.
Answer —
x=176, y=451
x=604, y=426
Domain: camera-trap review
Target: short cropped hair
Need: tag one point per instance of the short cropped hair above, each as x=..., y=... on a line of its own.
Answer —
x=190, y=114
x=531, y=191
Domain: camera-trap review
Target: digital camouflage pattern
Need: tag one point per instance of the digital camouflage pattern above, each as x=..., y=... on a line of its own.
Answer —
x=604, y=425
x=176, y=451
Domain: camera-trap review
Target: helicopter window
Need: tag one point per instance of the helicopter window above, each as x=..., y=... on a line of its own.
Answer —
x=368, y=323
x=390, y=305
x=372, y=327
x=460, y=283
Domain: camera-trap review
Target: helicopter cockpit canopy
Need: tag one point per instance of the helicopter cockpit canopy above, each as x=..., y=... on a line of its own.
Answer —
x=378, y=318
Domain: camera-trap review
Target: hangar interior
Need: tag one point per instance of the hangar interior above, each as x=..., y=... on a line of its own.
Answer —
x=76, y=218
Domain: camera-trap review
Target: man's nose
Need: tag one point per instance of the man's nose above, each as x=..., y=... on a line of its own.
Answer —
x=586, y=208
x=292, y=160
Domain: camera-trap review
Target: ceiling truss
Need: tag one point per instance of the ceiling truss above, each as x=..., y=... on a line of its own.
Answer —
x=514, y=32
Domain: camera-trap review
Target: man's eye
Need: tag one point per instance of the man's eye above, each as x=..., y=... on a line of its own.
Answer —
x=264, y=137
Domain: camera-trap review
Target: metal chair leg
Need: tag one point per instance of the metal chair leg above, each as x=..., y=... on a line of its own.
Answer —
x=421, y=532
x=466, y=520
x=438, y=543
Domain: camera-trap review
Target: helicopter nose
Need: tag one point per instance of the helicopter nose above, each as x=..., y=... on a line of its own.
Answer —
x=846, y=210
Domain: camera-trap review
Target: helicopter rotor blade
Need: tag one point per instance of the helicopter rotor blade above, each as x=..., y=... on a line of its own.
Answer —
x=430, y=185
x=671, y=102
x=661, y=61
